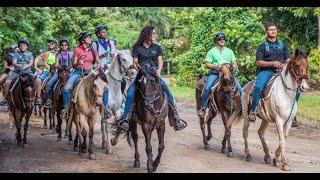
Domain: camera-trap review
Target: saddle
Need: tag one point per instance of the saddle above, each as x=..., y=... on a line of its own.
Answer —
x=45, y=81
x=248, y=88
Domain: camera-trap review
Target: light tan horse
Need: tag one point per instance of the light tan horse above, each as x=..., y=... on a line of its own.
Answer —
x=85, y=108
x=279, y=107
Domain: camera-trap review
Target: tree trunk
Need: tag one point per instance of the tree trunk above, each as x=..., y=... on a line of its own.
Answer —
x=318, y=32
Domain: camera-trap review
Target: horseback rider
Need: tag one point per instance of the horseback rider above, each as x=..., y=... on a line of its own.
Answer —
x=63, y=60
x=39, y=65
x=106, y=50
x=8, y=67
x=271, y=56
x=145, y=50
x=83, y=59
x=216, y=56
x=49, y=58
x=22, y=62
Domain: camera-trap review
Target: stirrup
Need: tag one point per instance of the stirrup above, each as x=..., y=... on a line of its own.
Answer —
x=252, y=116
x=123, y=124
x=48, y=104
x=64, y=114
x=180, y=124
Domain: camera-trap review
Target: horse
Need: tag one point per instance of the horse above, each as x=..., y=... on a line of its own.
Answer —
x=278, y=106
x=122, y=68
x=150, y=111
x=85, y=108
x=21, y=102
x=44, y=97
x=57, y=100
x=224, y=99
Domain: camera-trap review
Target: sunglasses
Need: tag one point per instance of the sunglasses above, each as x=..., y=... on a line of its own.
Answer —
x=51, y=43
x=220, y=39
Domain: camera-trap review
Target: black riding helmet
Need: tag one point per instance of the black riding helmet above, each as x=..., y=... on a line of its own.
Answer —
x=24, y=41
x=219, y=35
x=63, y=41
x=52, y=40
x=98, y=28
x=83, y=35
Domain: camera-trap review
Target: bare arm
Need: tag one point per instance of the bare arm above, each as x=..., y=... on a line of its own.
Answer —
x=28, y=65
x=56, y=63
x=5, y=65
x=160, y=65
x=264, y=64
x=113, y=60
x=209, y=65
x=35, y=64
x=135, y=63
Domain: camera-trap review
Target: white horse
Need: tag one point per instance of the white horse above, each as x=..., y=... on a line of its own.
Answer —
x=279, y=106
x=122, y=69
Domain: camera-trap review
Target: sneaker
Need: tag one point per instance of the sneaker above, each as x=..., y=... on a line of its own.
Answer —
x=201, y=113
x=252, y=116
x=48, y=104
x=4, y=102
x=180, y=124
x=64, y=114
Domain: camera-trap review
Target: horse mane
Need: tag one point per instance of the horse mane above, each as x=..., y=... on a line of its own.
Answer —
x=27, y=81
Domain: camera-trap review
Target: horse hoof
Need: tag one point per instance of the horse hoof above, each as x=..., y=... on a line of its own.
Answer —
x=285, y=167
x=276, y=162
x=109, y=151
x=267, y=159
x=75, y=148
x=208, y=138
x=113, y=142
x=207, y=147
x=59, y=139
x=230, y=154
x=83, y=150
x=150, y=170
x=70, y=142
x=224, y=150
x=136, y=164
x=92, y=156
x=249, y=158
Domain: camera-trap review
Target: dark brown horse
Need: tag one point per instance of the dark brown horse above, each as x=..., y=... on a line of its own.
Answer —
x=150, y=111
x=225, y=100
x=57, y=100
x=21, y=102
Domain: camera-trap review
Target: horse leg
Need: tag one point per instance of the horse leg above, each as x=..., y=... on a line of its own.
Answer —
x=91, y=123
x=35, y=111
x=45, y=126
x=204, y=138
x=58, y=128
x=261, y=132
x=26, y=125
x=18, y=118
x=227, y=136
x=282, y=144
x=84, y=141
x=39, y=110
x=69, y=125
x=212, y=114
x=160, y=132
x=52, y=114
x=108, y=135
x=245, y=128
x=147, y=134
x=135, y=137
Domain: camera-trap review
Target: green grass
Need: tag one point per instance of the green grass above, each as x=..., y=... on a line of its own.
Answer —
x=308, y=106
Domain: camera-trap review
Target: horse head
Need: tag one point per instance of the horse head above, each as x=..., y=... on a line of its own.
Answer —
x=227, y=79
x=126, y=63
x=28, y=89
x=148, y=85
x=298, y=67
x=98, y=82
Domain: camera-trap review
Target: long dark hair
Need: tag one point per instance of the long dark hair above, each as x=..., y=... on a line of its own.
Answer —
x=145, y=35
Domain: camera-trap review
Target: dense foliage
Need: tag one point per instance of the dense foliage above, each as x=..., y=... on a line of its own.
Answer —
x=186, y=34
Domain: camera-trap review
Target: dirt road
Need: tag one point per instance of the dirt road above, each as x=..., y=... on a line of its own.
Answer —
x=184, y=150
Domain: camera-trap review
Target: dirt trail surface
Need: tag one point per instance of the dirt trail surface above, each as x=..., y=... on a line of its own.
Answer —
x=184, y=150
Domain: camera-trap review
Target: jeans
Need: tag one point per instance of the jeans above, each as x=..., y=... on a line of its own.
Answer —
x=262, y=79
x=105, y=96
x=131, y=96
x=52, y=82
x=67, y=90
x=44, y=75
x=210, y=82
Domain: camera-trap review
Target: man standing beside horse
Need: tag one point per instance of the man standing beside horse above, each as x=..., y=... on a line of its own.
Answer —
x=214, y=59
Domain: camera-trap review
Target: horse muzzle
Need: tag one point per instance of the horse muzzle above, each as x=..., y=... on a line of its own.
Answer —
x=304, y=87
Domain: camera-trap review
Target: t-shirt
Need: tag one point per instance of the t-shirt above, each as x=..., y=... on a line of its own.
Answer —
x=86, y=54
x=105, y=46
x=216, y=56
x=149, y=55
x=23, y=58
x=272, y=51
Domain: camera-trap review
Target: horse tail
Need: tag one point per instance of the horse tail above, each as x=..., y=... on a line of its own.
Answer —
x=129, y=135
x=235, y=118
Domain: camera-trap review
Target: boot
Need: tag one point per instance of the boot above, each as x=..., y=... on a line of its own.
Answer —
x=294, y=122
x=106, y=114
x=123, y=123
x=178, y=124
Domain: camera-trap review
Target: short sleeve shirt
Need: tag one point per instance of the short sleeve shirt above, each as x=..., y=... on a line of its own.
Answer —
x=147, y=55
x=86, y=54
x=217, y=56
x=105, y=46
x=272, y=51
x=23, y=58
